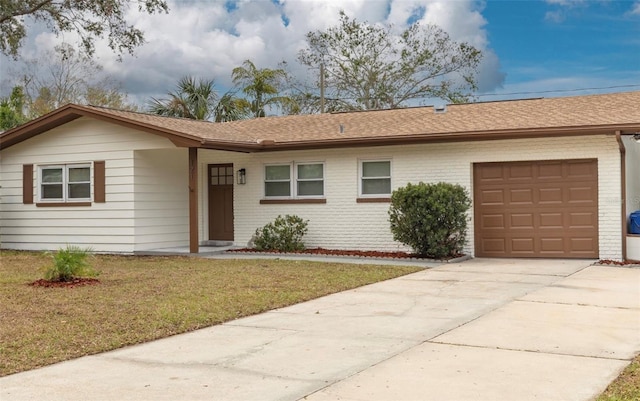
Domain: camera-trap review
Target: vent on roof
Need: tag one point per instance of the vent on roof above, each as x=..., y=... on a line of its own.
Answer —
x=441, y=108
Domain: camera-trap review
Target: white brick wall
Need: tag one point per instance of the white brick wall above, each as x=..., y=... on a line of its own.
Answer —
x=342, y=223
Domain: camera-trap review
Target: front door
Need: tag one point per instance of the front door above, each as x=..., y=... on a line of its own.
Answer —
x=221, y=202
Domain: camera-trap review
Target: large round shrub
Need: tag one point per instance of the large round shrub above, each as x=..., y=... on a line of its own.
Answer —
x=430, y=218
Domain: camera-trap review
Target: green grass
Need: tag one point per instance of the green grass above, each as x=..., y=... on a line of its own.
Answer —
x=626, y=387
x=145, y=298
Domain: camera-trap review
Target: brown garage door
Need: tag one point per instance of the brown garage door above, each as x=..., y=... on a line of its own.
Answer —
x=543, y=209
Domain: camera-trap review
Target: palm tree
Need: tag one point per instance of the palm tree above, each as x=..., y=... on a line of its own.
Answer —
x=198, y=100
x=231, y=108
x=261, y=86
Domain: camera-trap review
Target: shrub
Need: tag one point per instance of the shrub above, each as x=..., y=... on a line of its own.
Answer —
x=430, y=218
x=70, y=263
x=283, y=234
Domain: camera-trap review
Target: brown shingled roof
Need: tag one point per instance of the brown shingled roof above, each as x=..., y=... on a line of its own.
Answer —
x=579, y=115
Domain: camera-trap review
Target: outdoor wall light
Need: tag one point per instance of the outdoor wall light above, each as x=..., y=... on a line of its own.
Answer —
x=242, y=176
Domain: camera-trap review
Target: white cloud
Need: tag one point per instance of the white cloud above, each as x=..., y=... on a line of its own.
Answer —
x=208, y=38
x=635, y=8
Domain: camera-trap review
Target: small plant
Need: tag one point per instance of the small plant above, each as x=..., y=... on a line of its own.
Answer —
x=430, y=218
x=283, y=234
x=70, y=263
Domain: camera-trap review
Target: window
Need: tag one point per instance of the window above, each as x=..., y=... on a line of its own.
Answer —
x=375, y=178
x=65, y=183
x=277, y=181
x=310, y=179
x=307, y=177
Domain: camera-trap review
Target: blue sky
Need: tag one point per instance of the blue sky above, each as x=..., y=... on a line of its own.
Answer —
x=545, y=47
x=531, y=48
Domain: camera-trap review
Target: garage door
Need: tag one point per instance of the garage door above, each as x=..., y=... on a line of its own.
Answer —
x=544, y=209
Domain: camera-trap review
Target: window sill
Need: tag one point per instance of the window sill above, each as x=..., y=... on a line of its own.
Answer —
x=290, y=201
x=62, y=204
x=373, y=200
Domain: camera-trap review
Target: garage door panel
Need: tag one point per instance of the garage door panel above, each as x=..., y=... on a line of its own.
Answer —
x=492, y=197
x=582, y=195
x=552, y=245
x=551, y=195
x=583, y=220
x=493, y=221
x=495, y=246
x=522, y=220
x=552, y=220
x=550, y=209
x=581, y=170
x=547, y=171
x=522, y=245
x=520, y=172
x=521, y=196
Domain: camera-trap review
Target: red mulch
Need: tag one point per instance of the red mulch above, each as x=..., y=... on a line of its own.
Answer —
x=340, y=252
x=618, y=263
x=76, y=282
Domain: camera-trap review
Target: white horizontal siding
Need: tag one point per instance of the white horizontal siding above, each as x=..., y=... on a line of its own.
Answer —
x=104, y=227
x=161, y=198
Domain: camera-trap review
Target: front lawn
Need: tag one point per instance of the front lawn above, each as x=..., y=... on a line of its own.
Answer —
x=144, y=298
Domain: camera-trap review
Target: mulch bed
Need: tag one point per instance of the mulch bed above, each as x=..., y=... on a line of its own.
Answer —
x=76, y=282
x=341, y=252
x=618, y=263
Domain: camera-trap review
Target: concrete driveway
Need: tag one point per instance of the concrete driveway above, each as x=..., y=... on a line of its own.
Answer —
x=482, y=329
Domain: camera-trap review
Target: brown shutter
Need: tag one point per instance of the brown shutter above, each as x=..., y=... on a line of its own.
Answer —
x=27, y=184
x=99, y=195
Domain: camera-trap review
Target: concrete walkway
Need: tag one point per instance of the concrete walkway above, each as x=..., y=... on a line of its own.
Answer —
x=477, y=330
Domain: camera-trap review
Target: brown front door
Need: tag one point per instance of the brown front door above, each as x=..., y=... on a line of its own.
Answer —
x=221, y=202
x=534, y=209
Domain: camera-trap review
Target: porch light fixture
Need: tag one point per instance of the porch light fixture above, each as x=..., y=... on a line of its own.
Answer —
x=242, y=176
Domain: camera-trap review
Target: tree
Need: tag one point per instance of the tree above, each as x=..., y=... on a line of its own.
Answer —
x=192, y=99
x=198, y=100
x=66, y=75
x=90, y=19
x=368, y=67
x=12, y=109
x=261, y=86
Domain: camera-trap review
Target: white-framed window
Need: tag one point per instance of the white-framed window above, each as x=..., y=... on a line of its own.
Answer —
x=64, y=182
x=294, y=180
x=375, y=178
x=309, y=180
x=277, y=181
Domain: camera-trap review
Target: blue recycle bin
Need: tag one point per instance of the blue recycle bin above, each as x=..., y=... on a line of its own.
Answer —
x=634, y=222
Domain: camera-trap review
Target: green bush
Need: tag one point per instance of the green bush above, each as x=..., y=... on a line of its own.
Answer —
x=283, y=234
x=70, y=263
x=430, y=218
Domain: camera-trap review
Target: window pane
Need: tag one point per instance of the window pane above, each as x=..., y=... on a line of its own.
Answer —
x=277, y=172
x=380, y=186
x=79, y=174
x=307, y=171
x=229, y=171
x=376, y=169
x=310, y=188
x=52, y=175
x=277, y=189
x=230, y=180
x=79, y=191
x=52, y=191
